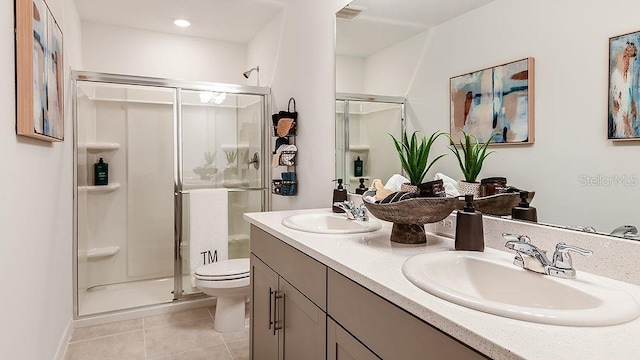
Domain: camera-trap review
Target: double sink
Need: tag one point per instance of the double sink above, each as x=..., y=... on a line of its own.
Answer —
x=490, y=282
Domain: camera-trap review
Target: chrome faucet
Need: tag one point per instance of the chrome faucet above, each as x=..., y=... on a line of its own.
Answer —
x=530, y=257
x=625, y=231
x=359, y=213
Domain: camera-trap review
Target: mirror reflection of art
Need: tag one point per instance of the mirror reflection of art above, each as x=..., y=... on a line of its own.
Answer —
x=624, y=87
x=40, y=72
x=495, y=100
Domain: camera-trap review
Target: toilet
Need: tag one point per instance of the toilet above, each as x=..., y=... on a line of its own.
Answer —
x=228, y=280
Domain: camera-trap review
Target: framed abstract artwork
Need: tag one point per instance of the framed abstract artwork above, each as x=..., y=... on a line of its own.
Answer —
x=39, y=72
x=624, y=87
x=498, y=100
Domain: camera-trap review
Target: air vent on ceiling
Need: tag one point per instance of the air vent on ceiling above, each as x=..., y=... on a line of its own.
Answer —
x=349, y=12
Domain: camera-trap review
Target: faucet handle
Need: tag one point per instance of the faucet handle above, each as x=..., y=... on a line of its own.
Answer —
x=515, y=237
x=562, y=258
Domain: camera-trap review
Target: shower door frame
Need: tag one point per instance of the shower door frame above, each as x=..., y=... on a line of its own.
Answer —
x=177, y=86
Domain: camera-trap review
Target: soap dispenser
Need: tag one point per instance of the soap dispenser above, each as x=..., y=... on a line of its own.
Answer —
x=524, y=211
x=361, y=188
x=101, y=173
x=469, y=230
x=339, y=195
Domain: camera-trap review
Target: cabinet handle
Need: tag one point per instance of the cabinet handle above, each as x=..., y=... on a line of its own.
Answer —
x=276, y=297
x=272, y=309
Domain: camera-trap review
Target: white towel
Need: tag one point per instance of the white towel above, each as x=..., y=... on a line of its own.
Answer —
x=208, y=227
x=395, y=182
x=450, y=185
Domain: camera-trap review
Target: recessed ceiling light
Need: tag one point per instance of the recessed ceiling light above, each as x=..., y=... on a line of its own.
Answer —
x=182, y=22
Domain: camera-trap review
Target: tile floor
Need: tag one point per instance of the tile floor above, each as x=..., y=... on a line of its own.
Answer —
x=182, y=335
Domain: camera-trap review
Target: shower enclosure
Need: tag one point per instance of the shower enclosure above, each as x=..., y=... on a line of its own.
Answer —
x=363, y=123
x=161, y=139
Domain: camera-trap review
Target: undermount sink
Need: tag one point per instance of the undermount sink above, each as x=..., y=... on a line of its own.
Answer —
x=489, y=282
x=329, y=223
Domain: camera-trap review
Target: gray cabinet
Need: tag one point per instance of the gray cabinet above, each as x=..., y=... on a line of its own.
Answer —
x=300, y=309
x=343, y=346
x=285, y=323
x=264, y=285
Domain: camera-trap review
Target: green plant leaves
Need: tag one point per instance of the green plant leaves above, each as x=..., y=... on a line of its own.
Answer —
x=473, y=155
x=414, y=154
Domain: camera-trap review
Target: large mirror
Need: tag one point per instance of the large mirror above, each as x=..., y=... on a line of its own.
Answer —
x=363, y=150
x=582, y=180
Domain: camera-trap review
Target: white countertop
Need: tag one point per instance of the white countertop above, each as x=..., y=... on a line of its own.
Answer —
x=374, y=262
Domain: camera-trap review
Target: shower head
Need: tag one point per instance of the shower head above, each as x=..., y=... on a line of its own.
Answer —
x=247, y=73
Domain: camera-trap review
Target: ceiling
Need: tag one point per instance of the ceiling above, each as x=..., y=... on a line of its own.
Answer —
x=236, y=21
x=386, y=22
x=382, y=24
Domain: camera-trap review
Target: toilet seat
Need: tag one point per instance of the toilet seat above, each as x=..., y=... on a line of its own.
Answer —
x=233, y=272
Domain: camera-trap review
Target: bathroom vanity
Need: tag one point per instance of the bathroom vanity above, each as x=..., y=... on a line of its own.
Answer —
x=319, y=296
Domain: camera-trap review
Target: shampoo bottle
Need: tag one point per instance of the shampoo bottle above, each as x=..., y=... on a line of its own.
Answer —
x=339, y=195
x=524, y=211
x=469, y=230
x=101, y=173
x=358, y=167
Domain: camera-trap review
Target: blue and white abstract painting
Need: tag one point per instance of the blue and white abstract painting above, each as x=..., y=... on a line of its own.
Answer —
x=624, y=86
x=498, y=100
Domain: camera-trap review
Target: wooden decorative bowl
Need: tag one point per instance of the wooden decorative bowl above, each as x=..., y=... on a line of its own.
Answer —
x=500, y=204
x=409, y=216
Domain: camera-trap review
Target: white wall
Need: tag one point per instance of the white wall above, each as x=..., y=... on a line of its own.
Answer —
x=36, y=213
x=350, y=74
x=263, y=50
x=305, y=70
x=391, y=70
x=119, y=50
x=571, y=54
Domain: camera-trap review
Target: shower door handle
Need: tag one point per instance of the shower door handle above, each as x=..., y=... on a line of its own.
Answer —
x=255, y=160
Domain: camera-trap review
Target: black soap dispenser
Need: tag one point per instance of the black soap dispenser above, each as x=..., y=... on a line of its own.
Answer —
x=469, y=230
x=524, y=211
x=361, y=188
x=101, y=173
x=339, y=195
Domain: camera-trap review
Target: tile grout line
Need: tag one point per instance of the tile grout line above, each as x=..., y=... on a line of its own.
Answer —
x=227, y=347
x=144, y=338
x=104, y=336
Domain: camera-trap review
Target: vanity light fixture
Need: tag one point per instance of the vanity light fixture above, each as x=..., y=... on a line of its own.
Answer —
x=182, y=22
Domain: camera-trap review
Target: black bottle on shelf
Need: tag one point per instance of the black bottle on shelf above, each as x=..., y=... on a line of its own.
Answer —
x=101, y=173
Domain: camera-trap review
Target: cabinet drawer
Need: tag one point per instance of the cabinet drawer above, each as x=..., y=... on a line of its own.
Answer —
x=389, y=331
x=304, y=273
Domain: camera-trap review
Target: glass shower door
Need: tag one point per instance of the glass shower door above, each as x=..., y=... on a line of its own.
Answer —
x=222, y=150
x=125, y=228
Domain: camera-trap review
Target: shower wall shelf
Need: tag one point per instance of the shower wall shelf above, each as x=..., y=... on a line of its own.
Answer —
x=97, y=253
x=100, y=188
x=97, y=147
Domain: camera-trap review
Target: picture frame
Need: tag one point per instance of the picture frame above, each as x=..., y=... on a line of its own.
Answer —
x=623, y=122
x=499, y=100
x=39, y=72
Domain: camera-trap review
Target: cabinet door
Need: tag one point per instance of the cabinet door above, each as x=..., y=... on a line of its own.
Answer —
x=264, y=287
x=343, y=346
x=303, y=326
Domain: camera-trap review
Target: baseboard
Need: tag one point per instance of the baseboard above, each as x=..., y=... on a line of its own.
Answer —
x=62, y=346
